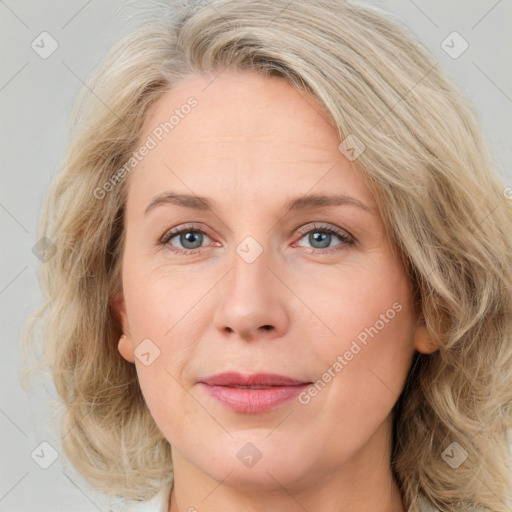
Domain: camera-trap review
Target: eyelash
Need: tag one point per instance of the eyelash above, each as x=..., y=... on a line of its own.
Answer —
x=341, y=234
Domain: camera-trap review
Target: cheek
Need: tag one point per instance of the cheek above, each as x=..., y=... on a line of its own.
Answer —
x=364, y=392
x=363, y=365
x=158, y=299
x=370, y=304
x=160, y=307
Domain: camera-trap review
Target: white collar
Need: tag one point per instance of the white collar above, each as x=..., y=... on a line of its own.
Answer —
x=159, y=503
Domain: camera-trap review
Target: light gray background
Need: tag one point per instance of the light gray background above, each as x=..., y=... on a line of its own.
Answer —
x=35, y=100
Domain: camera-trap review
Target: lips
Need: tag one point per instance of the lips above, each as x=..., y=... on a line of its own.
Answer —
x=253, y=393
x=264, y=380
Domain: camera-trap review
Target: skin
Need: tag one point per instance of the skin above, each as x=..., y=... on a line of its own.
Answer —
x=250, y=145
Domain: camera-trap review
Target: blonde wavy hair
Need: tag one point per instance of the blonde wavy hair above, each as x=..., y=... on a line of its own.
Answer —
x=438, y=190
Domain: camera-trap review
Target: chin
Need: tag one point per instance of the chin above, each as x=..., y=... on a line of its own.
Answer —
x=254, y=463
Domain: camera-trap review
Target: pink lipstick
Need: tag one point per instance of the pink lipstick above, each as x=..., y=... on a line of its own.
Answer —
x=254, y=393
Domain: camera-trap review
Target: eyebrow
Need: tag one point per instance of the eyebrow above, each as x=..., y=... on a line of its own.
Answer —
x=299, y=203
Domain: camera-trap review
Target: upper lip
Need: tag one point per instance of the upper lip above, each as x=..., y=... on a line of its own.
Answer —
x=233, y=379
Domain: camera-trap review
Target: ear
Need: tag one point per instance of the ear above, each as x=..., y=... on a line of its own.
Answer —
x=423, y=341
x=124, y=346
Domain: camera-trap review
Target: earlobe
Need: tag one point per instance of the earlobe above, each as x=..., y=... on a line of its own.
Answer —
x=124, y=345
x=423, y=341
x=125, y=348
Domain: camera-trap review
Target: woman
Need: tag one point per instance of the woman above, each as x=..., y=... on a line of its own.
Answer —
x=283, y=273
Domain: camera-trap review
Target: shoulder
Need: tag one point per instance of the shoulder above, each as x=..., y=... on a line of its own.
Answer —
x=425, y=506
x=159, y=503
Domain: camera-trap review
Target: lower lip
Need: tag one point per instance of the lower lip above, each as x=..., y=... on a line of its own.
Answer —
x=253, y=400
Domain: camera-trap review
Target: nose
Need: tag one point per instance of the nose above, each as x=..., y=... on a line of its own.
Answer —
x=252, y=301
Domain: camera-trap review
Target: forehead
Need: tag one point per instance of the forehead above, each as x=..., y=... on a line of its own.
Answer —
x=245, y=133
x=240, y=107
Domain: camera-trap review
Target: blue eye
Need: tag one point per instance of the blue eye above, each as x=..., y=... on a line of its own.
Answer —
x=191, y=239
x=320, y=237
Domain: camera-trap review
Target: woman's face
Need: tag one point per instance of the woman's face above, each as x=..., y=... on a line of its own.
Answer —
x=273, y=336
